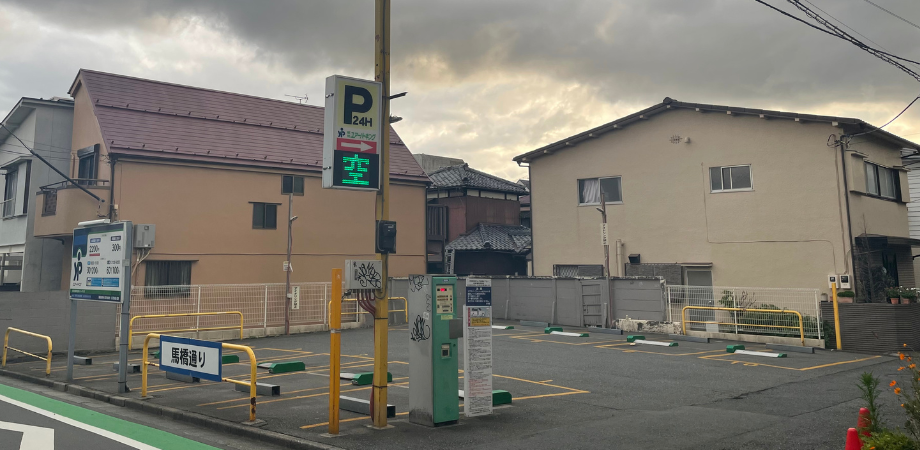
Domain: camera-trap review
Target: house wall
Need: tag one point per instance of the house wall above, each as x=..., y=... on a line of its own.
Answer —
x=203, y=214
x=464, y=213
x=786, y=232
x=913, y=213
x=86, y=132
x=13, y=230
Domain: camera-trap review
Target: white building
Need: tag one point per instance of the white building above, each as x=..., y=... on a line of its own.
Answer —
x=26, y=263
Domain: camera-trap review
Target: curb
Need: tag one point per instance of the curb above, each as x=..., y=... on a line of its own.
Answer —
x=269, y=437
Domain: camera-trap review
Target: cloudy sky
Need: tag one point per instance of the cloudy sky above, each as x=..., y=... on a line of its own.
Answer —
x=487, y=80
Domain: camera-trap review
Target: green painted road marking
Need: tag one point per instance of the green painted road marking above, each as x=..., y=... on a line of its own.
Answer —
x=140, y=433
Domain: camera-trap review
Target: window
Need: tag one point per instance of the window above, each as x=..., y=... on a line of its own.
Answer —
x=579, y=271
x=882, y=181
x=265, y=216
x=291, y=185
x=730, y=178
x=168, y=273
x=86, y=166
x=589, y=190
x=9, y=193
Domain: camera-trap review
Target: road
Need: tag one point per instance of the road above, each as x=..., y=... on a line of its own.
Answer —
x=30, y=420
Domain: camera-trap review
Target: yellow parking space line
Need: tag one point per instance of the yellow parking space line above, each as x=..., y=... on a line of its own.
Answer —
x=800, y=369
x=246, y=405
x=246, y=399
x=538, y=382
x=346, y=420
x=531, y=339
x=281, y=350
x=559, y=394
x=669, y=354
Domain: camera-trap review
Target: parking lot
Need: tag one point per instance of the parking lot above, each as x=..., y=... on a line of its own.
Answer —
x=568, y=391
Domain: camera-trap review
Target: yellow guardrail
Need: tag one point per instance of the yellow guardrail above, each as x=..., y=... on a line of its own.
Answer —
x=801, y=327
x=405, y=309
x=187, y=330
x=6, y=345
x=252, y=374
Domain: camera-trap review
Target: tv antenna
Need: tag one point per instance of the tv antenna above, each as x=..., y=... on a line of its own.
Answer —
x=300, y=100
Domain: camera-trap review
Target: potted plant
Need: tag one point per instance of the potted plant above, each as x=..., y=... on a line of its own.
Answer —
x=908, y=295
x=894, y=295
x=845, y=296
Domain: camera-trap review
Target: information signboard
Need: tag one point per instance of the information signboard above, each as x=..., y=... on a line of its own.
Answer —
x=479, y=292
x=100, y=257
x=200, y=359
x=352, y=135
x=477, y=360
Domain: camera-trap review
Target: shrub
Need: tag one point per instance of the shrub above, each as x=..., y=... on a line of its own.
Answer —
x=888, y=440
x=868, y=386
x=846, y=294
x=909, y=293
x=893, y=292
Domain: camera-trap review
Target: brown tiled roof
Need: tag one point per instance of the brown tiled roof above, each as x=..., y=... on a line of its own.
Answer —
x=163, y=120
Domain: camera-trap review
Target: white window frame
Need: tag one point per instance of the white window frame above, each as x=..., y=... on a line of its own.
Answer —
x=617, y=202
x=722, y=179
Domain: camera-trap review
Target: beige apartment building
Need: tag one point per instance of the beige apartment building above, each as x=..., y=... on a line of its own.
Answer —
x=213, y=171
x=730, y=196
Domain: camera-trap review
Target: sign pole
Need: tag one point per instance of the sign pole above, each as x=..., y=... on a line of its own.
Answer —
x=287, y=274
x=125, y=311
x=72, y=340
x=381, y=318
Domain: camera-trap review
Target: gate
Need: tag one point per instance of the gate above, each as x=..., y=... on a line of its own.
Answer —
x=594, y=295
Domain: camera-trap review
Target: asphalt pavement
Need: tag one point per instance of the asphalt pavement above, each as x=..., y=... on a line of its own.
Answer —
x=569, y=392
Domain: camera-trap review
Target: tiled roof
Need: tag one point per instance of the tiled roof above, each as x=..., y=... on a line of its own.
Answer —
x=155, y=119
x=513, y=238
x=464, y=176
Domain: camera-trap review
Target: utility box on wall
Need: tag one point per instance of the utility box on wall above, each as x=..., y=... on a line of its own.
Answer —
x=145, y=235
x=435, y=324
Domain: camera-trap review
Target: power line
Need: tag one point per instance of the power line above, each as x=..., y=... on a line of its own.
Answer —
x=889, y=122
x=893, y=14
x=27, y=154
x=841, y=22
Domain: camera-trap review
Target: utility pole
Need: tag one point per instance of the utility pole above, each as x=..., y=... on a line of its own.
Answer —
x=381, y=317
x=289, y=268
x=606, y=240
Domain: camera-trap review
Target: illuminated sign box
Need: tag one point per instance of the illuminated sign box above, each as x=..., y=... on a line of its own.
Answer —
x=352, y=134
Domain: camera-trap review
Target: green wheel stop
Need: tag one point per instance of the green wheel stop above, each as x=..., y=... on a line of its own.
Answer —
x=501, y=398
x=732, y=348
x=367, y=378
x=549, y=330
x=633, y=337
x=285, y=367
x=229, y=359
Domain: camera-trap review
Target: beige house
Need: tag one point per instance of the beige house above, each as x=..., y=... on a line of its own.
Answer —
x=212, y=171
x=730, y=196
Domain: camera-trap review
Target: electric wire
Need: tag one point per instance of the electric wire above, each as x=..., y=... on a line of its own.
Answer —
x=841, y=22
x=893, y=14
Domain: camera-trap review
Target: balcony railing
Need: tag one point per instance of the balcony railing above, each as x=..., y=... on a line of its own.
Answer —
x=49, y=201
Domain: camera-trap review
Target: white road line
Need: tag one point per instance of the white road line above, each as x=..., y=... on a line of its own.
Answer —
x=32, y=437
x=77, y=424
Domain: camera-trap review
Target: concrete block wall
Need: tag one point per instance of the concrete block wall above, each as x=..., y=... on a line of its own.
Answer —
x=48, y=313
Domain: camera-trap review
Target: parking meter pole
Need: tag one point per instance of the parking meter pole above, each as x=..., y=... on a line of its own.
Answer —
x=125, y=312
x=72, y=340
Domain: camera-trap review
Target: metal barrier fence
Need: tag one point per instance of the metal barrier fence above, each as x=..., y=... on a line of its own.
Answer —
x=262, y=305
x=6, y=346
x=740, y=321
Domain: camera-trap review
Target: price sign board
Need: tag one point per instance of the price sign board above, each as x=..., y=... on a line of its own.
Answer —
x=352, y=135
x=99, y=259
x=200, y=359
x=477, y=360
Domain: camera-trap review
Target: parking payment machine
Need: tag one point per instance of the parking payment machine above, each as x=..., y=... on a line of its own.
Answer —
x=435, y=324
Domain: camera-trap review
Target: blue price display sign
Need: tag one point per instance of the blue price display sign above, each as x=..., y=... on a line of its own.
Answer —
x=201, y=359
x=479, y=292
x=98, y=263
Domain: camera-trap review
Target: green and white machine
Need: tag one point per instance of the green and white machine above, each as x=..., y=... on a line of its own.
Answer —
x=435, y=324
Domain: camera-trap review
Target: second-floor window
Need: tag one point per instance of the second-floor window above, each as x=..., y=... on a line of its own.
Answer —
x=589, y=190
x=730, y=178
x=882, y=181
x=291, y=184
x=9, y=193
x=265, y=216
x=87, y=163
